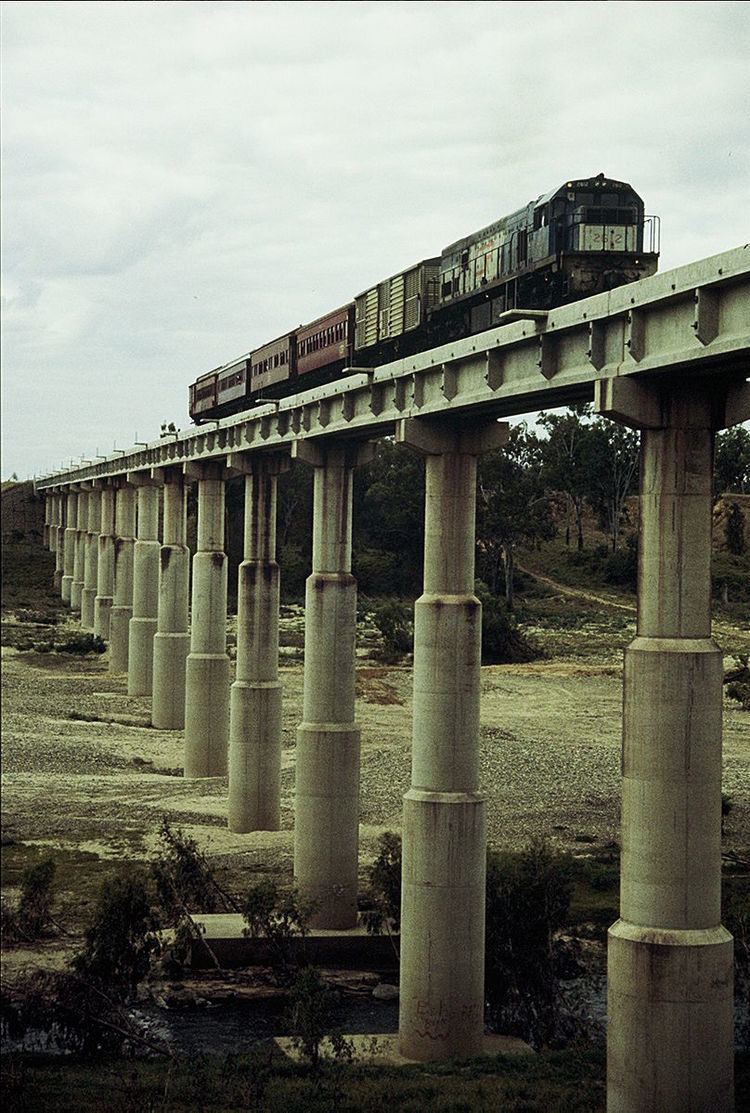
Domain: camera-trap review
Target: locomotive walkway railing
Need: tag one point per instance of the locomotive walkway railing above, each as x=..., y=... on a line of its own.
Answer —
x=669, y=355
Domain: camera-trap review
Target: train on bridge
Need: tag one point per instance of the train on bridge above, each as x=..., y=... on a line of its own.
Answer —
x=589, y=235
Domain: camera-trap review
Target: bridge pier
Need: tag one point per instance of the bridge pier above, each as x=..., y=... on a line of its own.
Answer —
x=207, y=667
x=255, y=696
x=69, y=544
x=326, y=826
x=670, y=961
x=444, y=832
x=106, y=562
x=79, y=552
x=122, y=605
x=145, y=587
x=172, y=641
x=91, y=558
x=58, y=540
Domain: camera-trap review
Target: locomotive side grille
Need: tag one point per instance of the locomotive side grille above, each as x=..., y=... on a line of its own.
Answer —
x=396, y=306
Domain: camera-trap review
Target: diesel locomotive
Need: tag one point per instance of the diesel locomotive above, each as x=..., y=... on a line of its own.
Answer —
x=589, y=235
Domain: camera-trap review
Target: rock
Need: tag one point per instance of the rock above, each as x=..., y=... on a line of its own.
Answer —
x=385, y=992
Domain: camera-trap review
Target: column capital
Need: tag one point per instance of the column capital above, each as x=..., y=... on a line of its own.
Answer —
x=319, y=452
x=650, y=404
x=205, y=469
x=266, y=463
x=433, y=436
x=142, y=478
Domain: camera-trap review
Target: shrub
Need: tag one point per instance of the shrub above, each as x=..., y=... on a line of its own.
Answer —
x=395, y=621
x=528, y=897
x=503, y=641
x=79, y=643
x=277, y=916
x=310, y=1017
x=384, y=894
x=621, y=567
x=121, y=939
x=33, y=914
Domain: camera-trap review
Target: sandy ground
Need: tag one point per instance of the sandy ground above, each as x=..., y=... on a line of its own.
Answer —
x=550, y=754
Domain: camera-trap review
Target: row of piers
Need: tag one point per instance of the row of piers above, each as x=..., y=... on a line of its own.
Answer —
x=670, y=1040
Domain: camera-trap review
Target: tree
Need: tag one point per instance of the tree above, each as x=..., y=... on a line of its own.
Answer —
x=512, y=505
x=564, y=454
x=610, y=469
x=732, y=461
x=388, y=538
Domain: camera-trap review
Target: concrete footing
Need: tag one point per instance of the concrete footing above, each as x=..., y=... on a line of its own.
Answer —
x=122, y=606
x=207, y=666
x=172, y=640
x=145, y=589
x=255, y=698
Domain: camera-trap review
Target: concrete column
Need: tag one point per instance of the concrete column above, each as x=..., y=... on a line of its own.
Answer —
x=326, y=831
x=255, y=698
x=91, y=558
x=172, y=641
x=122, y=606
x=670, y=1008
x=207, y=671
x=69, y=543
x=79, y=552
x=59, y=540
x=48, y=516
x=105, y=583
x=143, y=624
x=444, y=832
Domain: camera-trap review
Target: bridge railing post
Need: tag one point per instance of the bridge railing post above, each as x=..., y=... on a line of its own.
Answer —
x=670, y=962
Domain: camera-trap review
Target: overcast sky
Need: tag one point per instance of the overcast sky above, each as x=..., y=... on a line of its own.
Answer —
x=183, y=181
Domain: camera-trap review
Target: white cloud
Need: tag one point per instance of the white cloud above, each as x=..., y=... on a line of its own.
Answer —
x=185, y=180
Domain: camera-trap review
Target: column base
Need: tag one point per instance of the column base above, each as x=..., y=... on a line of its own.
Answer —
x=670, y=1020
x=119, y=638
x=76, y=591
x=255, y=756
x=141, y=656
x=88, y=596
x=168, y=702
x=102, y=611
x=206, y=715
x=442, y=926
x=65, y=588
x=326, y=825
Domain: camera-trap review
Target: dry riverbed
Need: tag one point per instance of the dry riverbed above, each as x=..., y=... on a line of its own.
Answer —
x=87, y=779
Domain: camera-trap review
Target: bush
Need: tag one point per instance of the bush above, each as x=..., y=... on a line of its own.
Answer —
x=528, y=897
x=384, y=894
x=503, y=641
x=621, y=567
x=395, y=621
x=121, y=939
x=278, y=917
x=79, y=644
x=310, y=1017
x=33, y=914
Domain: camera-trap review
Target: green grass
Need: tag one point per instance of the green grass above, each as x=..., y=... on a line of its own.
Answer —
x=551, y=1082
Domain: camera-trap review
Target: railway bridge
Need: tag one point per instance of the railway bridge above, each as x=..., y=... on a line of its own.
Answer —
x=669, y=356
